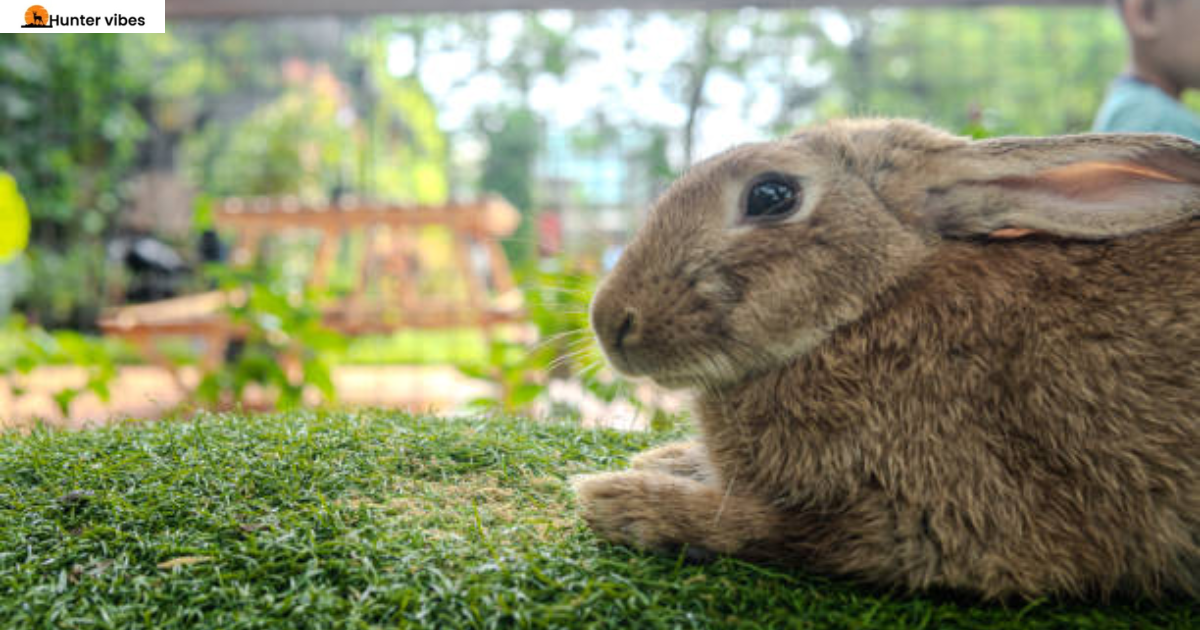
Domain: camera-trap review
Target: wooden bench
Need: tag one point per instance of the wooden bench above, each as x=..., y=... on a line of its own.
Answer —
x=390, y=263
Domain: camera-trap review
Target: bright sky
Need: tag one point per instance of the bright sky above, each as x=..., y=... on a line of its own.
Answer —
x=623, y=81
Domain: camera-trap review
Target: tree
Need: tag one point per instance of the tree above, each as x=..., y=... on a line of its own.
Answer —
x=1013, y=70
x=513, y=141
x=72, y=119
x=364, y=132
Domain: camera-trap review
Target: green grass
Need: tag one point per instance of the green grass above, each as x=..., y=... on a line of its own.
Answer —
x=377, y=519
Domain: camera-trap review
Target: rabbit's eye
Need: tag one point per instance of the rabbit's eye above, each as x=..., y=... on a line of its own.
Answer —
x=772, y=196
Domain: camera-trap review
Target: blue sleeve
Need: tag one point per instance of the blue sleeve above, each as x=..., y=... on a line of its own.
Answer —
x=1137, y=111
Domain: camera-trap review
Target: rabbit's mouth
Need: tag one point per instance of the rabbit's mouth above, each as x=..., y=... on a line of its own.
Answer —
x=665, y=379
x=700, y=368
x=674, y=337
x=713, y=378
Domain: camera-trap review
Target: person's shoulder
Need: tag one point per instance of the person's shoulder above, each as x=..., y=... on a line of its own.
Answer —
x=1132, y=106
x=1129, y=103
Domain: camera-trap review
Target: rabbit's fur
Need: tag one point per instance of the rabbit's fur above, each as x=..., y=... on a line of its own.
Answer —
x=972, y=365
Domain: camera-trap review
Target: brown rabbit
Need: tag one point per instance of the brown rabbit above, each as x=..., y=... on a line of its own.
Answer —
x=923, y=361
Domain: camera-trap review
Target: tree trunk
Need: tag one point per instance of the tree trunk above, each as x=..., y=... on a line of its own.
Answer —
x=700, y=68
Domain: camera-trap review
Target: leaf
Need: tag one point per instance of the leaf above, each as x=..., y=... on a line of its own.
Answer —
x=73, y=345
x=99, y=387
x=202, y=212
x=184, y=561
x=316, y=373
x=483, y=403
x=25, y=364
x=64, y=398
x=290, y=397
x=525, y=394
x=209, y=389
x=472, y=371
x=321, y=339
x=14, y=218
x=662, y=421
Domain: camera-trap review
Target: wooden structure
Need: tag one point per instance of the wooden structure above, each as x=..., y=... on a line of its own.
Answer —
x=384, y=296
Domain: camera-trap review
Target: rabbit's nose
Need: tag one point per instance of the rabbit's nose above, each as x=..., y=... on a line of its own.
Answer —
x=618, y=327
x=630, y=330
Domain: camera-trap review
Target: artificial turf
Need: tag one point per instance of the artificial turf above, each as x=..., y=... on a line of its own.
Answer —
x=374, y=519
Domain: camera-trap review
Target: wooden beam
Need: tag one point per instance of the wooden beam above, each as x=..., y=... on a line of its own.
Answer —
x=490, y=217
x=201, y=9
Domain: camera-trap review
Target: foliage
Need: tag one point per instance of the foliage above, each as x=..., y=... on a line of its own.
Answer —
x=14, y=236
x=71, y=126
x=513, y=53
x=283, y=345
x=293, y=145
x=61, y=290
x=513, y=137
x=312, y=520
x=326, y=134
x=1027, y=70
x=31, y=347
x=466, y=346
x=955, y=67
x=513, y=368
x=14, y=219
x=726, y=45
x=556, y=296
x=404, y=153
x=513, y=140
x=80, y=113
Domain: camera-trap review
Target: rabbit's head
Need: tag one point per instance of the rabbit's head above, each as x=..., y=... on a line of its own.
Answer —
x=758, y=254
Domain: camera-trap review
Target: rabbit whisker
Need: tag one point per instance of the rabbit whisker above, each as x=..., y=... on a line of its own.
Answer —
x=725, y=497
x=556, y=337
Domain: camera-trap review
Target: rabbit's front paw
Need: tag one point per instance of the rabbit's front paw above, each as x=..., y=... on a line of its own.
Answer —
x=628, y=508
x=682, y=459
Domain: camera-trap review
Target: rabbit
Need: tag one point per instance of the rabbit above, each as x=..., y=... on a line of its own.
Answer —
x=922, y=361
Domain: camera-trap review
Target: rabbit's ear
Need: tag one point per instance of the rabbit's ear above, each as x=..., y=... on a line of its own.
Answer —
x=1093, y=186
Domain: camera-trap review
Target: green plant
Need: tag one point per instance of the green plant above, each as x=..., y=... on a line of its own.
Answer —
x=375, y=135
x=31, y=347
x=513, y=140
x=14, y=236
x=557, y=309
x=556, y=295
x=283, y=345
x=14, y=218
x=71, y=131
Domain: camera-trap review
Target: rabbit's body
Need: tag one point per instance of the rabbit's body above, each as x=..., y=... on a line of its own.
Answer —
x=923, y=361
x=962, y=435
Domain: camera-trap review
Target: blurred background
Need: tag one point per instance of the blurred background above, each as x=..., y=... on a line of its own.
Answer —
x=274, y=205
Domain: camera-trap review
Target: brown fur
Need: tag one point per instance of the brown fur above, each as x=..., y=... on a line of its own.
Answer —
x=880, y=398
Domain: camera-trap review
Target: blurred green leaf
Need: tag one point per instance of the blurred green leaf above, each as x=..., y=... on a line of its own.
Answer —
x=14, y=218
x=317, y=374
x=25, y=363
x=526, y=393
x=209, y=389
x=63, y=399
x=99, y=387
x=471, y=371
